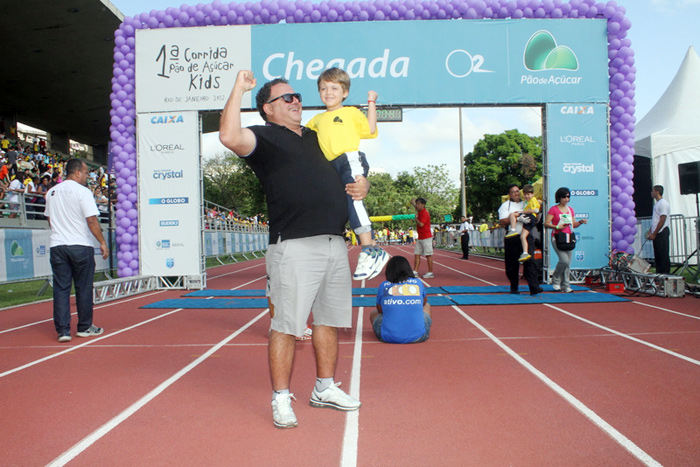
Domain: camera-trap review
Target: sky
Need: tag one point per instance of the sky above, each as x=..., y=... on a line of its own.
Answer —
x=661, y=33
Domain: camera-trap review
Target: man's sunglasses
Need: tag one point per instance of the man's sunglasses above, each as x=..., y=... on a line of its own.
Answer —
x=288, y=98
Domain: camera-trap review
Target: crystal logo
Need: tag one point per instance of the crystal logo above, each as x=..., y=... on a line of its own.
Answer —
x=167, y=174
x=577, y=167
x=577, y=110
x=542, y=53
x=167, y=119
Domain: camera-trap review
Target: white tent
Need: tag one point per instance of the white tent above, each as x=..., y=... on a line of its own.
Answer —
x=670, y=133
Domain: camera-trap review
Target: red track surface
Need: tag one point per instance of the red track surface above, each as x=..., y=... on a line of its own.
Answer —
x=589, y=384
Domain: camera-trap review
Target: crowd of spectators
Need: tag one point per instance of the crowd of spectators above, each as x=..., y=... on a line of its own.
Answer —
x=219, y=217
x=29, y=170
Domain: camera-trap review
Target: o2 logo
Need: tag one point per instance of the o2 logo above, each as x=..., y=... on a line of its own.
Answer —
x=460, y=63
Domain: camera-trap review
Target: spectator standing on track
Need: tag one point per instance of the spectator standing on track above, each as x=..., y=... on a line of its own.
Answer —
x=72, y=214
x=561, y=218
x=424, y=244
x=464, y=229
x=403, y=313
x=307, y=214
x=513, y=247
x=660, y=231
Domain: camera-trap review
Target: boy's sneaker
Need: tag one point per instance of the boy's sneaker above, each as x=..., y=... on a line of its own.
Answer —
x=282, y=413
x=511, y=233
x=365, y=265
x=415, y=273
x=64, y=338
x=90, y=332
x=381, y=258
x=428, y=275
x=370, y=263
x=334, y=398
x=524, y=257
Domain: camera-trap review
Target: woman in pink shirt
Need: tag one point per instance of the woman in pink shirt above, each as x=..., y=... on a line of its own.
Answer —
x=561, y=218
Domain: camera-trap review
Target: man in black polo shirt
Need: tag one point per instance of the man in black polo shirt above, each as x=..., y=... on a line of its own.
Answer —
x=307, y=262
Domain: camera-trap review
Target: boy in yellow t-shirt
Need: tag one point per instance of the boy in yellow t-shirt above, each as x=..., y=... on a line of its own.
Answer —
x=531, y=209
x=339, y=131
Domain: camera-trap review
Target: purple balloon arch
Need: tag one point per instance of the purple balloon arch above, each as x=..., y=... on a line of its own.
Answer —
x=123, y=113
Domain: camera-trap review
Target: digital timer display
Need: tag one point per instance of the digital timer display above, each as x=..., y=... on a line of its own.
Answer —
x=387, y=114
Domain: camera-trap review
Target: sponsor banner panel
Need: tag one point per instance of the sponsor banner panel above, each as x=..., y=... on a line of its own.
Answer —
x=519, y=61
x=169, y=194
x=219, y=243
x=17, y=254
x=26, y=253
x=189, y=68
x=578, y=156
x=474, y=62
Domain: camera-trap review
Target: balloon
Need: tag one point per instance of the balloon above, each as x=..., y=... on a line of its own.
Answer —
x=126, y=272
x=132, y=214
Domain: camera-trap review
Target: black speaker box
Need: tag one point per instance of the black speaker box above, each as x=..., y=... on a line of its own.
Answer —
x=689, y=177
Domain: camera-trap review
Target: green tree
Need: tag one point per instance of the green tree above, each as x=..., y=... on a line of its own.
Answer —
x=440, y=192
x=496, y=162
x=230, y=182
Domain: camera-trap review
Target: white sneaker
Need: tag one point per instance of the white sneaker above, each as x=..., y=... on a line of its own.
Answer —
x=282, y=413
x=415, y=273
x=428, y=275
x=334, y=398
x=380, y=260
x=365, y=265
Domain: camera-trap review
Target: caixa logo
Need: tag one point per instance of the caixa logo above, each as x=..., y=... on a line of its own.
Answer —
x=577, y=110
x=167, y=119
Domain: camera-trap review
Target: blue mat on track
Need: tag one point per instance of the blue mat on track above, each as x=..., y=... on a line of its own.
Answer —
x=261, y=292
x=527, y=299
x=251, y=303
x=499, y=289
x=215, y=303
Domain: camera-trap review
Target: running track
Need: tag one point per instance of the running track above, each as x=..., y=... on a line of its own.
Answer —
x=573, y=384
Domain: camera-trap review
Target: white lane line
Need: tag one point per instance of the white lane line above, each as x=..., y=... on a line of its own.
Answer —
x=95, y=339
x=352, y=422
x=626, y=336
x=99, y=307
x=666, y=309
x=88, y=441
x=88, y=342
x=621, y=439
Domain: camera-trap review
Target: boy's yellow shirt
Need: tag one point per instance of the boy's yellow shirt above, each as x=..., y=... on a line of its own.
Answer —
x=533, y=204
x=339, y=131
